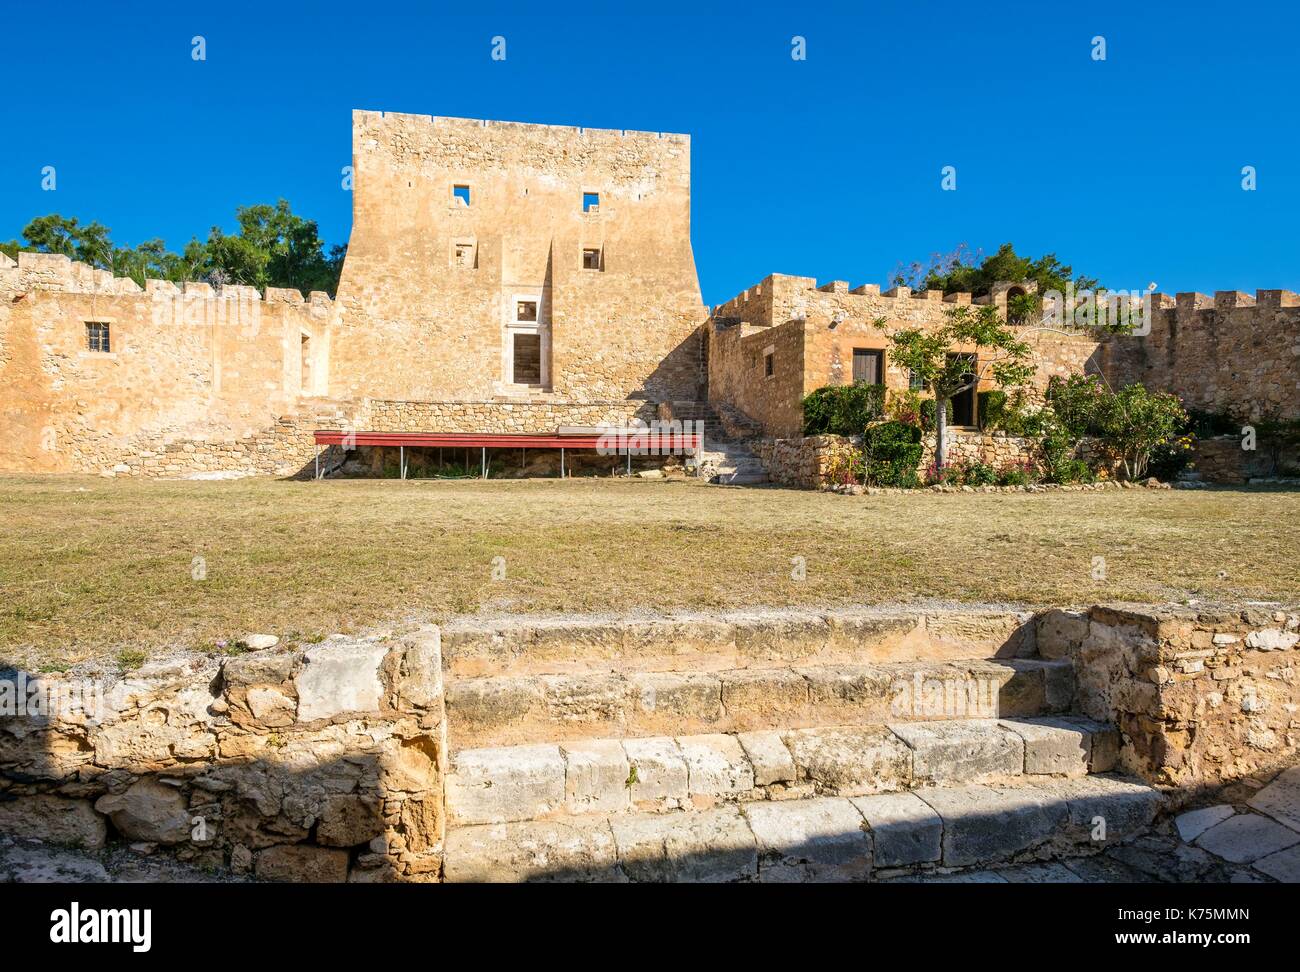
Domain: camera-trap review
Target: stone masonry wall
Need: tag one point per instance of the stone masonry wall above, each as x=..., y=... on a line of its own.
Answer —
x=322, y=763
x=1201, y=695
x=184, y=363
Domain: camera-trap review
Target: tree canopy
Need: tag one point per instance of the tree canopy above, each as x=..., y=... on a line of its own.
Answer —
x=274, y=247
x=967, y=271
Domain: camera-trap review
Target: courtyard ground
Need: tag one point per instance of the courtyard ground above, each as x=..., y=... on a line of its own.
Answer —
x=119, y=569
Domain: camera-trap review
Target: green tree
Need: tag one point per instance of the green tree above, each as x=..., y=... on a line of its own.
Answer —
x=972, y=345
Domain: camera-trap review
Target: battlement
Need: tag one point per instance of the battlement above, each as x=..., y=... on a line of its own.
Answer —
x=54, y=272
x=1191, y=302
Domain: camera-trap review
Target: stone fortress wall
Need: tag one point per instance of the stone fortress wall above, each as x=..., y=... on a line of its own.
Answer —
x=591, y=226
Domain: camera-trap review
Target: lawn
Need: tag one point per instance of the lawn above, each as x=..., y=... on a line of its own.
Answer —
x=89, y=566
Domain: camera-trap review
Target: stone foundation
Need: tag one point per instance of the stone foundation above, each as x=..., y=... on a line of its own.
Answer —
x=322, y=763
x=1201, y=696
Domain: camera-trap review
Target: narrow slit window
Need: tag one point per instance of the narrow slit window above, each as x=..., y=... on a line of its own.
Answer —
x=460, y=194
x=769, y=364
x=591, y=202
x=591, y=259
x=97, y=336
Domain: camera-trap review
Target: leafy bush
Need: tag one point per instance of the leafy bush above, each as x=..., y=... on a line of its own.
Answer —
x=906, y=407
x=992, y=409
x=891, y=453
x=1169, y=459
x=964, y=473
x=1012, y=414
x=842, y=409
x=1018, y=474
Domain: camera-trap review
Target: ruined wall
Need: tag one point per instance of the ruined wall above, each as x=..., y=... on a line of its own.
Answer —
x=430, y=285
x=1201, y=695
x=813, y=331
x=183, y=362
x=308, y=764
x=1230, y=353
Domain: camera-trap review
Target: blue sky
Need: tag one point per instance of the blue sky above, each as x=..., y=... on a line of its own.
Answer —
x=1130, y=169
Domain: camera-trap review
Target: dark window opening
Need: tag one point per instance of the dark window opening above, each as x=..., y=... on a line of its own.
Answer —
x=590, y=202
x=97, y=336
x=868, y=366
x=528, y=359
x=591, y=259
x=461, y=193
x=526, y=310
x=768, y=365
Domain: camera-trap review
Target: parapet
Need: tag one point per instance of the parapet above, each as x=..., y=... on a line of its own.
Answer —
x=448, y=123
x=54, y=272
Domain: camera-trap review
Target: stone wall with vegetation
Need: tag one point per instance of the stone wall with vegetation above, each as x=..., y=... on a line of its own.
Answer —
x=1201, y=695
x=316, y=763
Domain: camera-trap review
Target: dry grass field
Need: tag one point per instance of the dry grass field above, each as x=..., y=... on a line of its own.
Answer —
x=90, y=567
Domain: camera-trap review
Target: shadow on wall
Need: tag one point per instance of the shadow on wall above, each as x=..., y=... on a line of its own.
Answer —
x=316, y=764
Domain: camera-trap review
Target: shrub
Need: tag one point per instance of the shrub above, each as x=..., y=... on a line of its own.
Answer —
x=1134, y=421
x=1017, y=474
x=1169, y=459
x=992, y=409
x=964, y=473
x=891, y=453
x=842, y=409
x=845, y=467
x=907, y=407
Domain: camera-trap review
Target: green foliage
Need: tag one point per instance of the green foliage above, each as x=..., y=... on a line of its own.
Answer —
x=1134, y=421
x=891, y=453
x=842, y=409
x=1207, y=425
x=273, y=248
x=967, y=271
x=1012, y=414
x=1169, y=459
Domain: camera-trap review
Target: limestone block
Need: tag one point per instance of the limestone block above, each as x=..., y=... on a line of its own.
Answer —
x=507, y=783
x=661, y=773
x=1061, y=633
x=905, y=830
x=596, y=776
x=55, y=819
x=850, y=761
x=768, y=756
x=982, y=824
x=1281, y=799
x=1283, y=866
x=668, y=696
x=1052, y=746
x=961, y=751
x=1247, y=837
x=478, y=705
x=348, y=820
x=537, y=850
x=302, y=863
x=148, y=811
x=707, y=846
x=1126, y=808
x=716, y=766
x=339, y=677
x=810, y=840
x=1193, y=823
x=762, y=696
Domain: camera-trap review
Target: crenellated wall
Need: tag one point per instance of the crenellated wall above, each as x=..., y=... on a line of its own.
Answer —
x=183, y=362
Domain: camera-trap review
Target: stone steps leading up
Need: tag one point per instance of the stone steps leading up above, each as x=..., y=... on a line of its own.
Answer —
x=662, y=774
x=515, y=709
x=687, y=642
x=839, y=838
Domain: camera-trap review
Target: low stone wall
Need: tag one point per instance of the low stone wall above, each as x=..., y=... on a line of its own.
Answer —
x=322, y=763
x=1201, y=696
x=804, y=462
x=807, y=462
x=500, y=417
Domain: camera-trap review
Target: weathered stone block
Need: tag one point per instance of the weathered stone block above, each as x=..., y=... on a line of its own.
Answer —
x=905, y=830
x=810, y=840
x=1281, y=798
x=1052, y=746
x=983, y=824
x=596, y=776
x=852, y=760
x=762, y=696
x=148, y=811
x=709, y=846
x=663, y=697
x=339, y=677
x=536, y=850
x=661, y=773
x=961, y=751
x=716, y=766
x=52, y=818
x=1247, y=837
x=348, y=820
x=768, y=756
x=302, y=863
x=509, y=783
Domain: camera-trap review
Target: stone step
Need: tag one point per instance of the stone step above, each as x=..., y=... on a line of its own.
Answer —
x=737, y=639
x=665, y=773
x=818, y=839
x=514, y=709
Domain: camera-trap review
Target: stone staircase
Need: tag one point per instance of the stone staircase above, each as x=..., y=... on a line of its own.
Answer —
x=726, y=457
x=837, y=747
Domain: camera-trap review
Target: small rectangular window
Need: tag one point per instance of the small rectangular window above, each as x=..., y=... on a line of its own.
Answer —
x=914, y=381
x=591, y=259
x=867, y=366
x=97, y=336
x=464, y=255
x=525, y=310
x=461, y=193
x=591, y=202
x=769, y=364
